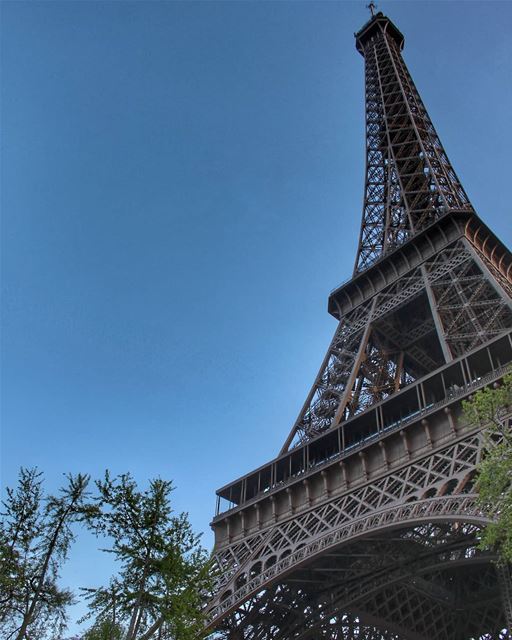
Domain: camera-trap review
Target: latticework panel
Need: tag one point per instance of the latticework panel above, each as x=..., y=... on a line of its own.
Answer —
x=428, y=607
x=422, y=583
x=409, y=179
x=402, y=334
x=258, y=559
x=327, y=392
x=470, y=307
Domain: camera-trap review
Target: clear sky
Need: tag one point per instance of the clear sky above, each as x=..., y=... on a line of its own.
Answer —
x=181, y=188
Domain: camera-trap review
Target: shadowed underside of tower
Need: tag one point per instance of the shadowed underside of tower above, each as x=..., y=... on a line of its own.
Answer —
x=366, y=524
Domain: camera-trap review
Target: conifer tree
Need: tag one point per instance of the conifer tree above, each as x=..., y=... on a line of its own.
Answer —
x=163, y=571
x=35, y=538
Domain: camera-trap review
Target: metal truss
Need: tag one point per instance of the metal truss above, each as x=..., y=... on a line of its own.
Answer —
x=440, y=310
x=410, y=184
x=477, y=612
x=459, y=508
x=409, y=180
x=349, y=627
x=495, y=257
x=420, y=583
x=247, y=565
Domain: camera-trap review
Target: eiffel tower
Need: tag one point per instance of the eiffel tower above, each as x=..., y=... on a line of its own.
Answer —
x=366, y=524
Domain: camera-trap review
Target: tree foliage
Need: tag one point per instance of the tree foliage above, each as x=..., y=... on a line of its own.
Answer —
x=35, y=537
x=163, y=573
x=492, y=408
x=104, y=630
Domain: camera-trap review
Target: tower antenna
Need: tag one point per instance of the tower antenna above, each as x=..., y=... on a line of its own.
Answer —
x=372, y=6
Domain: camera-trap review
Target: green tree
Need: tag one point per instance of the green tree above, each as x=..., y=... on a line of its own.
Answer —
x=104, y=630
x=35, y=538
x=164, y=572
x=492, y=408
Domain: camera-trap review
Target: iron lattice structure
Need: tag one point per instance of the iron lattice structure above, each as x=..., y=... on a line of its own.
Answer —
x=366, y=524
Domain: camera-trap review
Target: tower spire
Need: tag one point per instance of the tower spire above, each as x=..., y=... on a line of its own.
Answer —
x=410, y=182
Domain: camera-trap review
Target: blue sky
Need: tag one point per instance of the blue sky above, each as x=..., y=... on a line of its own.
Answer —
x=181, y=187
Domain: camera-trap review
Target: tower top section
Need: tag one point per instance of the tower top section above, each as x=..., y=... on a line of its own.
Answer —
x=378, y=24
x=410, y=183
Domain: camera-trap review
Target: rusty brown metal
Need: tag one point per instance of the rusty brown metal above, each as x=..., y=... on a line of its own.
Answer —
x=366, y=524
